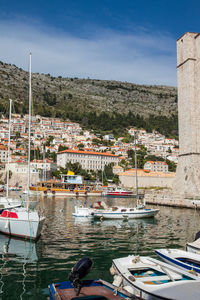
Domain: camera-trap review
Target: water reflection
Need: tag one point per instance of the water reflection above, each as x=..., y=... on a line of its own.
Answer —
x=26, y=269
x=18, y=250
x=20, y=253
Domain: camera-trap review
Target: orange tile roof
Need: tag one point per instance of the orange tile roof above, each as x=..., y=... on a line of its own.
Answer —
x=3, y=147
x=156, y=162
x=87, y=152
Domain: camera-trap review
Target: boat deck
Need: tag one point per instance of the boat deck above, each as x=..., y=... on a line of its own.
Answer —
x=98, y=292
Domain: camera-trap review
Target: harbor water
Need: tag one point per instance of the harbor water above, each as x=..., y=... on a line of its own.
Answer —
x=27, y=268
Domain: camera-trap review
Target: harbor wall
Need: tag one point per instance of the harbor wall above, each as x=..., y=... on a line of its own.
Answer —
x=146, y=180
x=168, y=198
x=20, y=180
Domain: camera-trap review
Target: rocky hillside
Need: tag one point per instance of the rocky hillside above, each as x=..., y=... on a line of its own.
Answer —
x=54, y=95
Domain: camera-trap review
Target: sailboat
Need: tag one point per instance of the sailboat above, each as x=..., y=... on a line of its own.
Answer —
x=22, y=222
x=127, y=212
x=8, y=202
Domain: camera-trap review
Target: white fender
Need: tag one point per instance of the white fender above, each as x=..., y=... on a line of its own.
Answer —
x=117, y=280
x=7, y=224
x=129, y=289
x=112, y=271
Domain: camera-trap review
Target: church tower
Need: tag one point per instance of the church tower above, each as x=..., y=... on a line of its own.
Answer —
x=187, y=182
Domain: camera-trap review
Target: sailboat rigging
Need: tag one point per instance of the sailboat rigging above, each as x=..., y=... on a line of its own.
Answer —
x=6, y=202
x=119, y=212
x=22, y=222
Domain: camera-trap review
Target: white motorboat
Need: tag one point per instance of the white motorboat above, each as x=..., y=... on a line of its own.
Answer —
x=83, y=212
x=152, y=279
x=125, y=213
x=8, y=202
x=181, y=259
x=139, y=211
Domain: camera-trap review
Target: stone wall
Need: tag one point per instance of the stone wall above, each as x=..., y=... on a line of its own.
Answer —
x=155, y=179
x=168, y=198
x=187, y=181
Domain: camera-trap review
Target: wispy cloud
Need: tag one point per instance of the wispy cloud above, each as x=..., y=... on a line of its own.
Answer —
x=140, y=57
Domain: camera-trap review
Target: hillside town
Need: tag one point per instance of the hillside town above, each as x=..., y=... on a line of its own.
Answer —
x=55, y=143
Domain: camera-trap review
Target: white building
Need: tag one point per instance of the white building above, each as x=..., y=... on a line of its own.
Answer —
x=21, y=167
x=156, y=166
x=46, y=165
x=87, y=159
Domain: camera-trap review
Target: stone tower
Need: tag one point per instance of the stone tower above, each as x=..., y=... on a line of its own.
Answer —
x=187, y=181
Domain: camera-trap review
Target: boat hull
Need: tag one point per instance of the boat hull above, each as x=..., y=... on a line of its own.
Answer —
x=72, y=194
x=91, y=289
x=118, y=194
x=151, y=278
x=28, y=226
x=135, y=214
x=194, y=247
x=181, y=259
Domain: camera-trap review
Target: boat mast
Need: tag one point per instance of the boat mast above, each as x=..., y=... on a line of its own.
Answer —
x=136, y=177
x=29, y=131
x=8, y=164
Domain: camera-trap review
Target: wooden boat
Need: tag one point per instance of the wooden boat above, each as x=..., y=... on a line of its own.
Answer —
x=75, y=288
x=91, y=289
x=181, y=259
x=153, y=279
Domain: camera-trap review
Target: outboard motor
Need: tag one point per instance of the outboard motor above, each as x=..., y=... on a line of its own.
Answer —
x=80, y=270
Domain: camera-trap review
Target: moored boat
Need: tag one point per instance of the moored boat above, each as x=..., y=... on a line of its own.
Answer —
x=118, y=192
x=125, y=213
x=194, y=246
x=75, y=288
x=181, y=259
x=83, y=212
x=153, y=279
x=69, y=185
x=22, y=223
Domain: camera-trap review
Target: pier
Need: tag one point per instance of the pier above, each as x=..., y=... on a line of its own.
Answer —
x=169, y=198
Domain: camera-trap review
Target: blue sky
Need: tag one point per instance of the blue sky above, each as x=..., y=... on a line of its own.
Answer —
x=127, y=40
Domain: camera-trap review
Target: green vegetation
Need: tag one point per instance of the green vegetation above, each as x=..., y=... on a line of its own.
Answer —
x=100, y=105
x=117, y=123
x=142, y=158
x=107, y=176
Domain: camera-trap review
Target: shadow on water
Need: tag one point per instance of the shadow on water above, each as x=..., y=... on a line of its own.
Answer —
x=26, y=268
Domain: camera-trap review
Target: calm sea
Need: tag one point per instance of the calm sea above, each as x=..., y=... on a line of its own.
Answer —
x=26, y=268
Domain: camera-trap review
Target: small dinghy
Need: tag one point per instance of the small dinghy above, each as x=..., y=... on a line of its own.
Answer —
x=181, y=259
x=86, y=289
x=152, y=279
